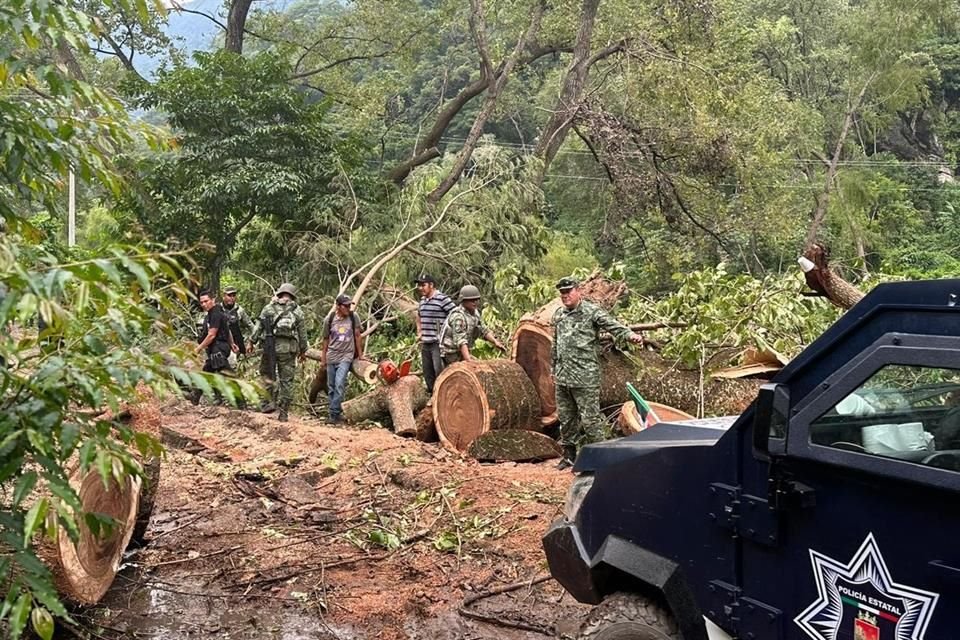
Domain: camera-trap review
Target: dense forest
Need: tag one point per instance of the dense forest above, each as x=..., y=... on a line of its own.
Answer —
x=694, y=148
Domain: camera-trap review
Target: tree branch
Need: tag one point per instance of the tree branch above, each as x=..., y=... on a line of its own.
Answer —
x=493, y=92
x=390, y=254
x=236, y=25
x=450, y=111
x=820, y=212
x=555, y=131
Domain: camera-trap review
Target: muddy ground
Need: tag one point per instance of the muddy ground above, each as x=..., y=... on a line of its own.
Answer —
x=299, y=530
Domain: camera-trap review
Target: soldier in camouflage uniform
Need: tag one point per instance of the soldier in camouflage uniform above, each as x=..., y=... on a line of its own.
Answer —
x=462, y=328
x=576, y=366
x=290, y=340
x=240, y=323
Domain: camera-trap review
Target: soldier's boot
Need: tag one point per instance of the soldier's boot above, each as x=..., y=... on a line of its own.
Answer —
x=282, y=416
x=569, y=456
x=267, y=407
x=194, y=396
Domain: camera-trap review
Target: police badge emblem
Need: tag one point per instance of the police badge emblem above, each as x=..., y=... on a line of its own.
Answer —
x=861, y=595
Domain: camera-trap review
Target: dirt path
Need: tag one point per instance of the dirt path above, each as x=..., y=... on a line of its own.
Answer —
x=299, y=530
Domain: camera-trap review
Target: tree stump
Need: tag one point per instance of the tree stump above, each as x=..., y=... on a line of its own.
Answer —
x=397, y=402
x=474, y=397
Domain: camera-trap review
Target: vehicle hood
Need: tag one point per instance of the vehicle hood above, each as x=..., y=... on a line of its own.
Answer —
x=688, y=433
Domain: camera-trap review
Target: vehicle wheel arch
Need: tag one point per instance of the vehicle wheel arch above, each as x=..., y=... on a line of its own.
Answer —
x=623, y=567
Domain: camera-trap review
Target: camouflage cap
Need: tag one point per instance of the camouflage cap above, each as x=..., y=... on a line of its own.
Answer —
x=230, y=291
x=566, y=284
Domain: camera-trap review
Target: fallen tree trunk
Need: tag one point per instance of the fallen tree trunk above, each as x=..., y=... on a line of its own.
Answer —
x=533, y=342
x=363, y=369
x=658, y=381
x=477, y=396
x=514, y=445
x=83, y=572
x=397, y=402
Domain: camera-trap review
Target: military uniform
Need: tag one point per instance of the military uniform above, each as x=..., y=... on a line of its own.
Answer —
x=576, y=369
x=240, y=325
x=290, y=340
x=461, y=327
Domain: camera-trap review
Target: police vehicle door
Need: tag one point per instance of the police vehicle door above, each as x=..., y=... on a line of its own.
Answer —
x=866, y=501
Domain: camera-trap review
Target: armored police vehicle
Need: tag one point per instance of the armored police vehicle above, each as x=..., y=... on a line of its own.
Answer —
x=829, y=510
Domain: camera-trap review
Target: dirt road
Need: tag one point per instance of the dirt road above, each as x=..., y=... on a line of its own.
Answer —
x=301, y=530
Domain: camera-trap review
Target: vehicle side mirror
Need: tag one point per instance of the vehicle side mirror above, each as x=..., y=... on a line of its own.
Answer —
x=770, y=419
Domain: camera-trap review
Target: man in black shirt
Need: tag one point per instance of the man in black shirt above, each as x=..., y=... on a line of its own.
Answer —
x=216, y=337
x=216, y=340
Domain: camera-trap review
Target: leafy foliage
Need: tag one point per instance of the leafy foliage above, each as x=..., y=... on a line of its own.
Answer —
x=250, y=146
x=724, y=311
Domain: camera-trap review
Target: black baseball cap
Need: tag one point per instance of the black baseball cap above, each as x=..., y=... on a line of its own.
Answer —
x=566, y=284
x=344, y=299
x=424, y=277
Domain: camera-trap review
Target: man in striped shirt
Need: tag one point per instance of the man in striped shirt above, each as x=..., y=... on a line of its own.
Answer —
x=432, y=312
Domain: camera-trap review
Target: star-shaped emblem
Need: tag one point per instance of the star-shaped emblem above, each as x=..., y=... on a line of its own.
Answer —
x=864, y=585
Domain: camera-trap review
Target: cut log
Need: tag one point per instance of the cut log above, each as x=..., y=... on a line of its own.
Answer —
x=514, y=445
x=397, y=403
x=83, y=572
x=474, y=397
x=629, y=418
x=533, y=342
x=363, y=369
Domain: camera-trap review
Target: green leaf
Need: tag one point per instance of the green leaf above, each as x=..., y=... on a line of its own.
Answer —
x=34, y=519
x=138, y=271
x=25, y=485
x=42, y=623
x=19, y=615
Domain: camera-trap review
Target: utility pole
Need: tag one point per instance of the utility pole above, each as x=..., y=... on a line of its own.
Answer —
x=72, y=211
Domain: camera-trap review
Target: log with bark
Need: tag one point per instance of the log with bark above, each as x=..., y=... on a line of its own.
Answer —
x=474, y=397
x=824, y=280
x=533, y=340
x=363, y=369
x=660, y=381
x=426, y=427
x=83, y=572
x=397, y=402
x=514, y=445
x=629, y=420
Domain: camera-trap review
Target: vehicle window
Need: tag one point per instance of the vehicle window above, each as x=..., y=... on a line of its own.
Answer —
x=905, y=412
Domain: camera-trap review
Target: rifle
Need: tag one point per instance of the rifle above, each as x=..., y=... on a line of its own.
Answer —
x=268, y=363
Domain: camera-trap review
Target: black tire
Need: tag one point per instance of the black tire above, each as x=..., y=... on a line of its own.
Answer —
x=148, y=496
x=628, y=616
